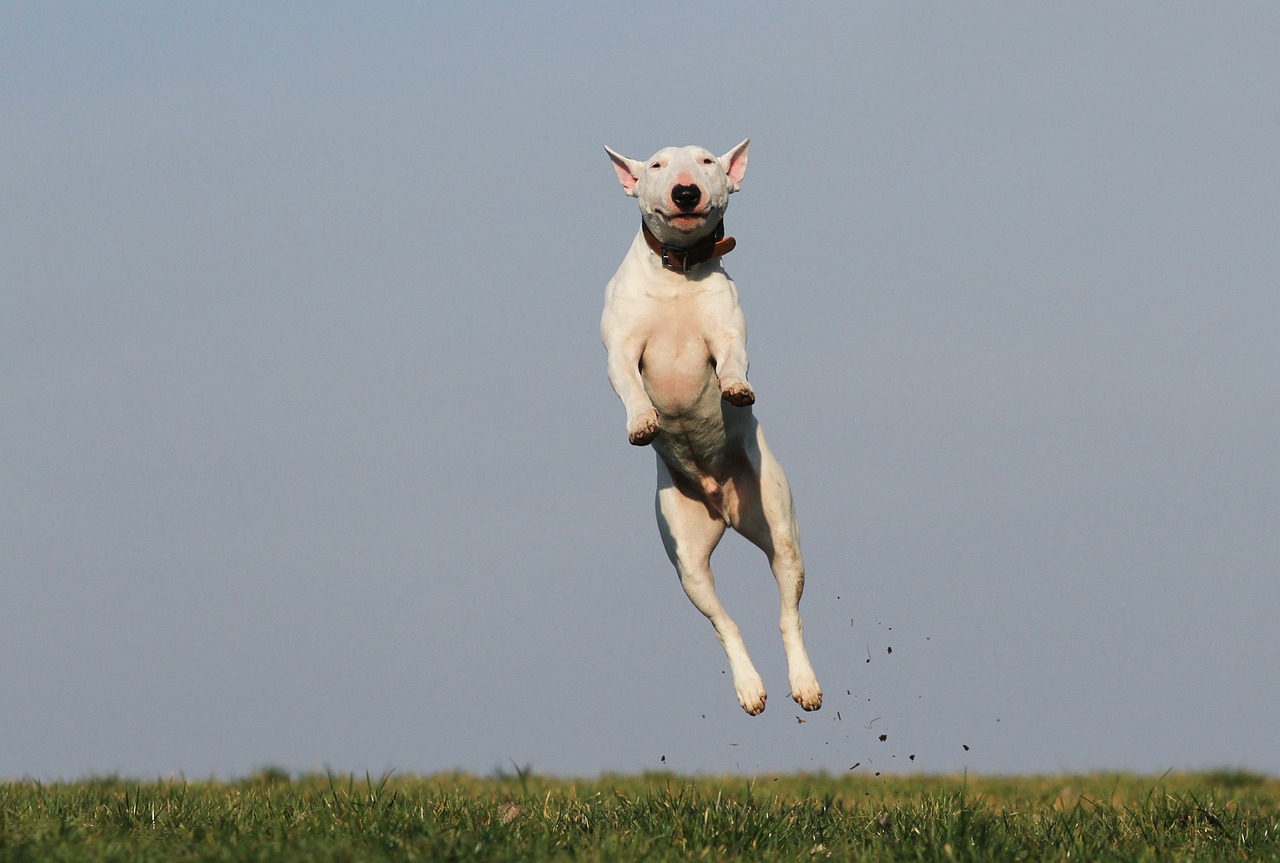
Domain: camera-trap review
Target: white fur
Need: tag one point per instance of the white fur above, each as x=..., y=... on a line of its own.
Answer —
x=678, y=361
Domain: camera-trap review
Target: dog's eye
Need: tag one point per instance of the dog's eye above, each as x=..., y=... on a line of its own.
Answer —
x=708, y=161
x=656, y=165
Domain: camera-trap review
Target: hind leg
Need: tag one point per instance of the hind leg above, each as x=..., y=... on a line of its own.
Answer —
x=766, y=516
x=690, y=533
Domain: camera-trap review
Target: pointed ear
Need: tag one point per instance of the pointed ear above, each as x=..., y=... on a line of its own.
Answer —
x=734, y=163
x=628, y=171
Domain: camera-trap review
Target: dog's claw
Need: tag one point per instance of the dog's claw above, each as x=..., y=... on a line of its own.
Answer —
x=738, y=393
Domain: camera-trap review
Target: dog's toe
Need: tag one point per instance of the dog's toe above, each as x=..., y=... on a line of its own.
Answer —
x=642, y=438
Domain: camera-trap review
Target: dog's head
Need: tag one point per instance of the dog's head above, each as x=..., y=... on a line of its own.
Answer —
x=683, y=191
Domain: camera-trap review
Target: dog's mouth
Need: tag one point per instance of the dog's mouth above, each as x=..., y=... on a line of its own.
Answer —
x=684, y=221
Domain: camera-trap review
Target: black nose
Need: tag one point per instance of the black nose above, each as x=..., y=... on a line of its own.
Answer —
x=686, y=197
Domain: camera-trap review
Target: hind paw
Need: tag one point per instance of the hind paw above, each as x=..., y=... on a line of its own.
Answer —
x=751, y=696
x=807, y=694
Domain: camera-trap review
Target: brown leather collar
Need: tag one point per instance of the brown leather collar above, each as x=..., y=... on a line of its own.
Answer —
x=680, y=260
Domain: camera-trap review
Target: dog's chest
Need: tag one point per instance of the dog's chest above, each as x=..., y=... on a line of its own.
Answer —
x=676, y=365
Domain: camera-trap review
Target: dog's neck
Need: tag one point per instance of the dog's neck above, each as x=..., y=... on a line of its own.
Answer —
x=679, y=259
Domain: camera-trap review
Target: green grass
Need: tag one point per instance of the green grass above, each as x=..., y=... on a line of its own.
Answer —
x=274, y=817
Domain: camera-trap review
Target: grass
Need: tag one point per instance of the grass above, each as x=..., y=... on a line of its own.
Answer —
x=275, y=817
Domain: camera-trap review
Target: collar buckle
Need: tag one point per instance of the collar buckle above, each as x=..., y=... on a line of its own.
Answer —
x=669, y=259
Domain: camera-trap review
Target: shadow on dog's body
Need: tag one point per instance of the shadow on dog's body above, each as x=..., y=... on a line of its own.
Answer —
x=676, y=339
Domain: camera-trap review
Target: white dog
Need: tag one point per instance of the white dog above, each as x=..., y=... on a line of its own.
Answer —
x=676, y=339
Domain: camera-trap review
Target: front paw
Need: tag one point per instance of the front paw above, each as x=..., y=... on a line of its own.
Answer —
x=643, y=429
x=738, y=393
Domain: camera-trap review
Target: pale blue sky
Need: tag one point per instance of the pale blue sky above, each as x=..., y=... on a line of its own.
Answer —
x=310, y=458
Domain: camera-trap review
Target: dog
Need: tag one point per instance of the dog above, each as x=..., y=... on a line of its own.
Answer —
x=677, y=358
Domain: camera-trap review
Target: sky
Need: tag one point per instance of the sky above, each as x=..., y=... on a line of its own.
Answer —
x=309, y=459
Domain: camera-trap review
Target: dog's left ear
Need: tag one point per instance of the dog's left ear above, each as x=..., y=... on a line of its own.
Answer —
x=734, y=163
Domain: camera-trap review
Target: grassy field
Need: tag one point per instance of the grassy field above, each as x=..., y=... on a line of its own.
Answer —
x=275, y=817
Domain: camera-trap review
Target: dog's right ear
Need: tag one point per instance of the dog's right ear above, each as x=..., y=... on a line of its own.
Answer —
x=628, y=171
